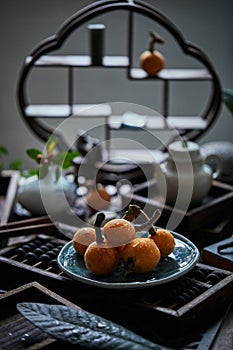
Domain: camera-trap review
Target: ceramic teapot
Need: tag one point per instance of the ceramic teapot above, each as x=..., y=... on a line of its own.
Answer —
x=186, y=173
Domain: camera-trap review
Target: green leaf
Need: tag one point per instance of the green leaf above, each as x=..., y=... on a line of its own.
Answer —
x=57, y=173
x=51, y=144
x=30, y=172
x=227, y=95
x=64, y=159
x=16, y=164
x=43, y=171
x=59, y=158
x=77, y=326
x=3, y=150
x=33, y=153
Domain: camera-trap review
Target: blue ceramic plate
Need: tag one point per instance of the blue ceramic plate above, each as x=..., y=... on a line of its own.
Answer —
x=183, y=259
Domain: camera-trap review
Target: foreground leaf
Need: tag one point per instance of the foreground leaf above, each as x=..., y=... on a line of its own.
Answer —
x=77, y=326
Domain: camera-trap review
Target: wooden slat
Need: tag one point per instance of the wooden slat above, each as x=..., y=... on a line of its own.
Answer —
x=28, y=230
x=26, y=222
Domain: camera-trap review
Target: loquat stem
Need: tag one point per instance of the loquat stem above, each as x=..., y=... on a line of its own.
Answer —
x=98, y=222
x=149, y=224
x=155, y=38
x=132, y=213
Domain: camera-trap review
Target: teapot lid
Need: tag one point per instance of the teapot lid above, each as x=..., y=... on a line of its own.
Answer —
x=179, y=149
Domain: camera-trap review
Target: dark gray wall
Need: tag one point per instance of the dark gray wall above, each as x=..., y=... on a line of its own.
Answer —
x=24, y=23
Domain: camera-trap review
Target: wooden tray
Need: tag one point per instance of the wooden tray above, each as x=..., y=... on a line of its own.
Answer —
x=15, y=331
x=216, y=207
x=8, y=190
x=179, y=305
x=223, y=258
x=9, y=181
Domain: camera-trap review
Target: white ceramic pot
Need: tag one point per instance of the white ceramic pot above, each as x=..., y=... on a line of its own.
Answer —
x=46, y=196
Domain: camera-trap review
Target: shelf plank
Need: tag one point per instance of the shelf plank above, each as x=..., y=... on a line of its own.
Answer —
x=121, y=62
x=64, y=110
x=115, y=61
x=171, y=74
x=188, y=122
x=80, y=61
x=159, y=123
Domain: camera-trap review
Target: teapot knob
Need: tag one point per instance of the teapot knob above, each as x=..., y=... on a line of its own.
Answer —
x=215, y=164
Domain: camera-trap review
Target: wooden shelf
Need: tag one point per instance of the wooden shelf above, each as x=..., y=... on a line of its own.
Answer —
x=49, y=56
x=171, y=74
x=65, y=110
x=80, y=61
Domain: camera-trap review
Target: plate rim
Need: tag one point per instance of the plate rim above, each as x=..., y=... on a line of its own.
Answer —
x=134, y=284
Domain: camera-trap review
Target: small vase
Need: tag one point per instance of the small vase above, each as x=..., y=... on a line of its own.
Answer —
x=47, y=195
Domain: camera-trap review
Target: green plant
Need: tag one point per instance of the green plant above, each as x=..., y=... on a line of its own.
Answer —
x=61, y=160
x=14, y=165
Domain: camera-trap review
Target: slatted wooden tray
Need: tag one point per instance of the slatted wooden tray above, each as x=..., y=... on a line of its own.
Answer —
x=215, y=208
x=177, y=306
x=9, y=181
x=8, y=190
x=15, y=331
